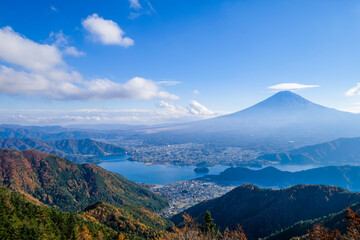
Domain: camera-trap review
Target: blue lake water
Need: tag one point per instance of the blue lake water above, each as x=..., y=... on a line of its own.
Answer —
x=163, y=174
x=153, y=174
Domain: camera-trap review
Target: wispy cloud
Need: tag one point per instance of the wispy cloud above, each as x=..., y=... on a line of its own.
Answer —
x=72, y=51
x=135, y=4
x=40, y=70
x=61, y=41
x=138, y=9
x=53, y=8
x=107, y=32
x=355, y=108
x=169, y=82
x=353, y=91
x=134, y=15
x=291, y=86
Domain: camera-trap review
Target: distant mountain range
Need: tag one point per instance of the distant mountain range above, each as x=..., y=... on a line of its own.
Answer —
x=283, y=121
x=77, y=150
x=347, y=177
x=54, y=132
x=264, y=211
x=338, y=152
x=68, y=186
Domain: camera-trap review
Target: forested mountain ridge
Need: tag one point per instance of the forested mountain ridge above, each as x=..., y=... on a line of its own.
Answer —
x=332, y=221
x=264, y=211
x=127, y=219
x=58, y=182
x=22, y=220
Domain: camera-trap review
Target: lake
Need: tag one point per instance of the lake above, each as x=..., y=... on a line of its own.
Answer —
x=153, y=174
x=164, y=174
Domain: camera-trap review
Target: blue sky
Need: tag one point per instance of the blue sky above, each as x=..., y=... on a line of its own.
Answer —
x=154, y=61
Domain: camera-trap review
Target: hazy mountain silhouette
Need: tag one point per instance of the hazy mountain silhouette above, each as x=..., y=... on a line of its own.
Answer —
x=347, y=177
x=284, y=120
x=337, y=152
x=284, y=109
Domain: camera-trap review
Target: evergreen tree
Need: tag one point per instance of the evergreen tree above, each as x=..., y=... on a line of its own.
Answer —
x=209, y=227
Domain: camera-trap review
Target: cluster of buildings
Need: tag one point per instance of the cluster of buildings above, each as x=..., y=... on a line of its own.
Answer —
x=185, y=194
x=192, y=154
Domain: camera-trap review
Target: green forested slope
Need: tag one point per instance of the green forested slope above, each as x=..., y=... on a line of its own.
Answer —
x=68, y=186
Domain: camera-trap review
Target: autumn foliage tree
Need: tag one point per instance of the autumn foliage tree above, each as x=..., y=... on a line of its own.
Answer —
x=208, y=231
x=321, y=233
x=353, y=225
x=352, y=232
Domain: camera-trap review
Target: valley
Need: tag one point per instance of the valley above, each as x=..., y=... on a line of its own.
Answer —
x=142, y=189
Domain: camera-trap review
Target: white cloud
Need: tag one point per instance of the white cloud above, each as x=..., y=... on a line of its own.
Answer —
x=52, y=79
x=196, y=92
x=53, y=8
x=137, y=89
x=291, y=86
x=353, y=91
x=18, y=50
x=194, y=109
x=14, y=82
x=164, y=114
x=135, y=4
x=55, y=83
x=198, y=109
x=107, y=32
x=70, y=85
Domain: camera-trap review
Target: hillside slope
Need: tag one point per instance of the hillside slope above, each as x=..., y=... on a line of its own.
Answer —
x=127, y=219
x=66, y=185
x=22, y=220
x=332, y=221
x=338, y=152
x=264, y=211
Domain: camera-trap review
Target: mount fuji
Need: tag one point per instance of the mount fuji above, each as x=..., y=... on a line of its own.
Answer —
x=284, y=120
